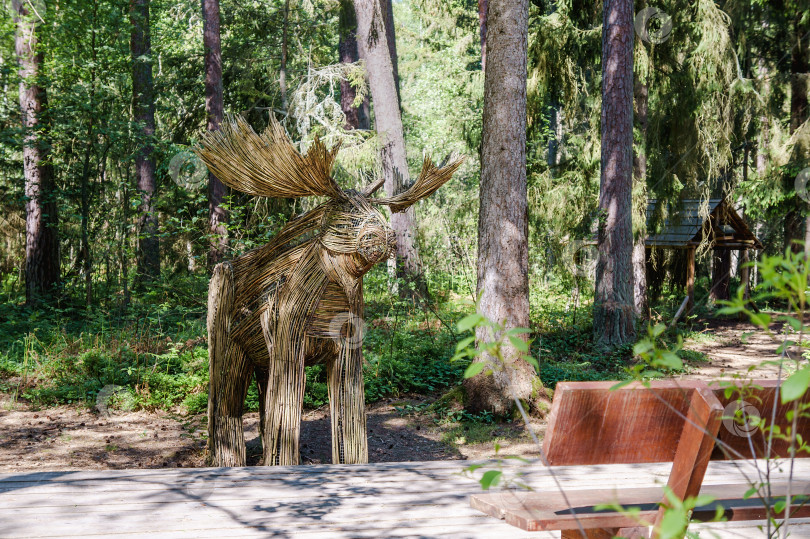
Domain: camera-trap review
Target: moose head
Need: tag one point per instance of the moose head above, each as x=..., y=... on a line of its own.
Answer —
x=268, y=165
x=284, y=305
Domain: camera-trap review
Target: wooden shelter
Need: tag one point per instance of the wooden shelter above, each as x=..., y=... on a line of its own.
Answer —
x=686, y=227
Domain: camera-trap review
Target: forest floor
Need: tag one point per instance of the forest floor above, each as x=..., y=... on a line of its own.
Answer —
x=731, y=347
x=76, y=437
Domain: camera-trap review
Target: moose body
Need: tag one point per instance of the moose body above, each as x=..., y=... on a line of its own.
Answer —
x=297, y=300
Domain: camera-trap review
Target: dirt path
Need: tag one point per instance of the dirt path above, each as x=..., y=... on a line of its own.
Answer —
x=75, y=437
x=732, y=347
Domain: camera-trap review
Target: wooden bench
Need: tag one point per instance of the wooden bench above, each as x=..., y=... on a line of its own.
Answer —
x=666, y=421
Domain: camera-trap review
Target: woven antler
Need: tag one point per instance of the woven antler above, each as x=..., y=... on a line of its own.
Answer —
x=268, y=165
x=430, y=179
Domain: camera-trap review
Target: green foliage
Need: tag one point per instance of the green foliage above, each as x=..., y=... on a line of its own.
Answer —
x=157, y=352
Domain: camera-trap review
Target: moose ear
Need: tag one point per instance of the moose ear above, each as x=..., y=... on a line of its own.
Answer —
x=430, y=179
x=268, y=165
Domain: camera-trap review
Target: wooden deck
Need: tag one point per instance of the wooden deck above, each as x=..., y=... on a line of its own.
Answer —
x=414, y=499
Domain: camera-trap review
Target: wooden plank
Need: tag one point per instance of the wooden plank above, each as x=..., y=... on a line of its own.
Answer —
x=265, y=517
x=533, y=511
x=696, y=444
x=417, y=499
x=694, y=449
x=592, y=424
x=737, y=440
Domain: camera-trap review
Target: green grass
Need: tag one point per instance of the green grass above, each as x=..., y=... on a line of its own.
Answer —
x=157, y=353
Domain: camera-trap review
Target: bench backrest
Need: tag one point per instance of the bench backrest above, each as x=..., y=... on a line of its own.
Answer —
x=590, y=424
x=662, y=421
x=738, y=441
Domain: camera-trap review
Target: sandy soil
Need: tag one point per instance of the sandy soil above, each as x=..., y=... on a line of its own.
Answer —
x=734, y=347
x=75, y=437
x=72, y=437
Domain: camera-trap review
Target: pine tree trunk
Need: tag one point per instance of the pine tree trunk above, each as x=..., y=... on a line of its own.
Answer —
x=640, y=96
x=391, y=39
x=356, y=117
x=799, y=108
x=613, y=301
x=217, y=191
x=41, y=219
x=503, y=253
x=483, y=6
x=382, y=83
x=799, y=73
x=143, y=105
x=282, y=75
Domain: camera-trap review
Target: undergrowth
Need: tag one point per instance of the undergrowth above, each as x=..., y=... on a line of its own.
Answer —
x=156, y=351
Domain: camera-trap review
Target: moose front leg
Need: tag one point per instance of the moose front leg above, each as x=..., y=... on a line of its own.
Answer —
x=229, y=383
x=229, y=374
x=347, y=404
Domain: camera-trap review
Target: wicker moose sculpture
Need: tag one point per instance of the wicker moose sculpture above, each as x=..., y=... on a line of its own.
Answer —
x=297, y=300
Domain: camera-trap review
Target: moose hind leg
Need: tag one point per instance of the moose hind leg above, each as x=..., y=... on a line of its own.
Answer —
x=261, y=374
x=348, y=407
x=229, y=383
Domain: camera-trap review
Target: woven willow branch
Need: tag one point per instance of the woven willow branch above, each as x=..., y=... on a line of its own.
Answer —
x=268, y=165
x=428, y=182
x=297, y=300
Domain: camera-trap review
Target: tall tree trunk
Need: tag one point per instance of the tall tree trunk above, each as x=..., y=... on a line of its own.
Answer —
x=391, y=39
x=614, y=309
x=356, y=117
x=483, y=7
x=503, y=246
x=640, y=96
x=799, y=109
x=85, y=251
x=217, y=191
x=282, y=75
x=41, y=219
x=372, y=40
x=143, y=105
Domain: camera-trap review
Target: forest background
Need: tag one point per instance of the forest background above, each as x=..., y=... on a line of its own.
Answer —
x=721, y=110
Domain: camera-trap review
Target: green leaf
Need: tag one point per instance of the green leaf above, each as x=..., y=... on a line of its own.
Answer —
x=464, y=343
x=519, y=344
x=474, y=369
x=621, y=384
x=531, y=361
x=658, y=329
x=761, y=319
x=703, y=499
x=469, y=322
x=490, y=479
x=794, y=323
x=796, y=385
x=673, y=525
x=642, y=347
x=519, y=331
x=669, y=360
